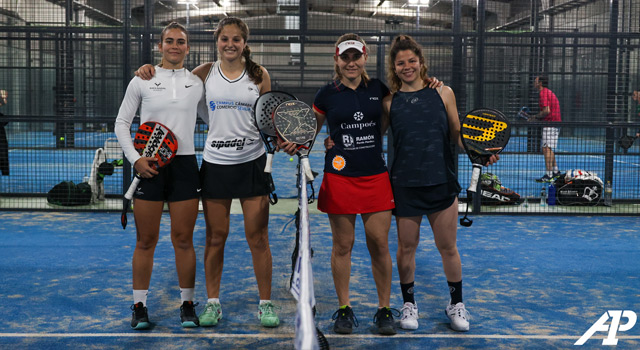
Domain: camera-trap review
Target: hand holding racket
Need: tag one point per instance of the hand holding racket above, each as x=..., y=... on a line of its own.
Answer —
x=295, y=123
x=484, y=132
x=263, y=117
x=524, y=113
x=152, y=140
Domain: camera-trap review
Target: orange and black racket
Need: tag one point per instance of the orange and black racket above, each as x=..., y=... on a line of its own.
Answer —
x=151, y=140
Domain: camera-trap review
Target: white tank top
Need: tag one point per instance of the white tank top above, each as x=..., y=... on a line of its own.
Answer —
x=233, y=136
x=171, y=97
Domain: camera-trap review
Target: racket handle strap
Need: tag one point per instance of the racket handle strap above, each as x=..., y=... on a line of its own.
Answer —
x=306, y=167
x=267, y=167
x=475, y=176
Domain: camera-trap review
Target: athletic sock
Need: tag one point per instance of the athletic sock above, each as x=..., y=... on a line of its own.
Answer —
x=555, y=169
x=213, y=300
x=407, y=292
x=187, y=294
x=549, y=173
x=264, y=301
x=455, y=290
x=140, y=295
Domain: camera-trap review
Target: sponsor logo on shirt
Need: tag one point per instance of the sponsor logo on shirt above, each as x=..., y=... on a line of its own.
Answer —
x=347, y=140
x=373, y=98
x=213, y=105
x=338, y=163
x=358, y=116
x=238, y=144
x=157, y=87
x=357, y=125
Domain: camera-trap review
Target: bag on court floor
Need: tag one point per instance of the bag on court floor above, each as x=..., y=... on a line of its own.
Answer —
x=68, y=193
x=578, y=187
x=494, y=193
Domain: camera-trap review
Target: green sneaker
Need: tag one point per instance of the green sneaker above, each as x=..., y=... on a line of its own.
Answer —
x=211, y=315
x=267, y=316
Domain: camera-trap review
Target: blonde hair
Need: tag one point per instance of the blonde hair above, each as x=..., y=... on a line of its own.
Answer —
x=253, y=69
x=345, y=37
x=401, y=43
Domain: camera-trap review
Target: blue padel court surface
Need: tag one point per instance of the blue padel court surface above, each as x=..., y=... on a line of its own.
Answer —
x=529, y=283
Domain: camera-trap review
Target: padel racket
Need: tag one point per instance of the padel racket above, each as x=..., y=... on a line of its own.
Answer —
x=626, y=141
x=262, y=113
x=523, y=113
x=484, y=132
x=295, y=123
x=151, y=140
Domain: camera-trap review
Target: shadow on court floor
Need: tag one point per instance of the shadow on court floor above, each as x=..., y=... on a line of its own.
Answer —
x=529, y=283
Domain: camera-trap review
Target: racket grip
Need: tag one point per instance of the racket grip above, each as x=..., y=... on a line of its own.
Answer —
x=475, y=176
x=267, y=167
x=306, y=167
x=132, y=188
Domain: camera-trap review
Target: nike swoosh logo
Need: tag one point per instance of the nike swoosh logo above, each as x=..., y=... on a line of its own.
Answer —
x=188, y=86
x=198, y=190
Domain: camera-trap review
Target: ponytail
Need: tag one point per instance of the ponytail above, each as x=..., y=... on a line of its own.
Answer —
x=253, y=69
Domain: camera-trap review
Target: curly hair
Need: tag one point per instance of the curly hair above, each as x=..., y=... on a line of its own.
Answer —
x=254, y=69
x=402, y=43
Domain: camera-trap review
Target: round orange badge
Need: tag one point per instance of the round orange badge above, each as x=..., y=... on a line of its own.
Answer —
x=338, y=163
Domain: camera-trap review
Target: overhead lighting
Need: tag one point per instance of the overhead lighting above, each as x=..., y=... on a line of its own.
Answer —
x=418, y=2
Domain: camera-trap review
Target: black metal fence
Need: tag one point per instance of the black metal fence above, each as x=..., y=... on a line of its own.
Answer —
x=65, y=65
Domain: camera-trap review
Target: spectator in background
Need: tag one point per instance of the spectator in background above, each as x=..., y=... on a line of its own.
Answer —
x=549, y=112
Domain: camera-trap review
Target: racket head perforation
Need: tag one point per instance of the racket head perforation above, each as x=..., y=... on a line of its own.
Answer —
x=295, y=123
x=164, y=150
x=484, y=132
x=264, y=107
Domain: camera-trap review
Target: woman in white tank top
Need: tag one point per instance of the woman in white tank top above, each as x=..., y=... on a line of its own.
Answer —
x=233, y=164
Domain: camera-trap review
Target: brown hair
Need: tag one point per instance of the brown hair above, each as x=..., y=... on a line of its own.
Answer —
x=172, y=25
x=345, y=37
x=401, y=43
x=254, y=69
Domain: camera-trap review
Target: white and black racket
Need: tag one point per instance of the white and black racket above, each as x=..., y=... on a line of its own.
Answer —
x=151, y=140
x=295, y=123
x=484, y=132
x=263, y=110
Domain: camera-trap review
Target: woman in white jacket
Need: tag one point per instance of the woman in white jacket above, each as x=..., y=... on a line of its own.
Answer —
x=170, y=98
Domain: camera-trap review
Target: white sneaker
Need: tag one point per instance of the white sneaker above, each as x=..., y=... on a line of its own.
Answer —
x=459, y=317
x=409, y=318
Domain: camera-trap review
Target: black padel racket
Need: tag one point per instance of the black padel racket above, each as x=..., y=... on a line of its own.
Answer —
x=151, y=140
x=295, y=123
x=263, y=110
x=484, y=132
x=626, y=141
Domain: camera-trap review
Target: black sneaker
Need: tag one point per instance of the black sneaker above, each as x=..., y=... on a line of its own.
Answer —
x=384, y=321
x=139, y=318
x=556, y=175
x=545, y=178
x=188, y=315
x=345, y=320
